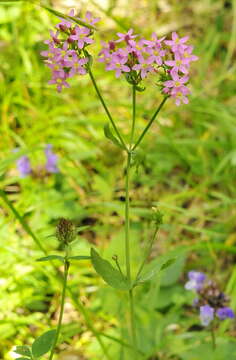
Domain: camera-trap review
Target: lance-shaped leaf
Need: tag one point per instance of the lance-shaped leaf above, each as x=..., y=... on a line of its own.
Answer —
x=43, y=343
x=110, y=136
x=110, y=275
x=152, y=270
x=79, y=257
x=51, y=257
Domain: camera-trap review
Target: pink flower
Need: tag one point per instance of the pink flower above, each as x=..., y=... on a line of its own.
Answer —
x=90, y=19
x=117, y=63
x=177, y=89
x=136, y=47
x=156, y=55
x=144, y=67
x=126, y=37
x=59, y=81
x=179, y=64
x=177, y=44
x=154, y=42
x=187, y=54
x=77, y=66
x=180, y=95
x=176, y=82
x=80, y=34
x=51, y=53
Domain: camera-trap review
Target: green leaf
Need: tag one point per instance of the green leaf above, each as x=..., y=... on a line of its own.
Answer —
x=168, y=263
x=79, y=257
x=51, y=257
x=23, y=358
x=23, y=350
x=110, y=136
x=110, y=275
x=43, y=343
x=159, y=266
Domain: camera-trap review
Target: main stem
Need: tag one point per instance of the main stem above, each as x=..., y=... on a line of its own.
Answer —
x=127, y=223
x=66, y=270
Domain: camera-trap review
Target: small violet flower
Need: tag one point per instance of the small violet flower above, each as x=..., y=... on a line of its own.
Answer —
x=224, y=313
x=51, y=164
x=23, y=165
x=196, y=280
x=206, y=314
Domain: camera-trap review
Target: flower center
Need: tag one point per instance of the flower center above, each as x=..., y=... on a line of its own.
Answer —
x=177, y=83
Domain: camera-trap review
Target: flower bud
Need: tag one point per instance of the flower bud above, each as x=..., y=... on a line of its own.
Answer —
x=66, y=231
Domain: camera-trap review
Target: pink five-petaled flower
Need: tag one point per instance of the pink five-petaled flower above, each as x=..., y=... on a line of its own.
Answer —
x=117, y=63
x=178, y=64
x=156, y=55
x=51, y=53
x=77, y=66
x=177, y=89
x=90, y=19
x=143, y=66
x=59, y=81
x=187, y=54
x=80, y=35
x=177, y=44
x=136, y=47
x=126, y=37
x=154, y=42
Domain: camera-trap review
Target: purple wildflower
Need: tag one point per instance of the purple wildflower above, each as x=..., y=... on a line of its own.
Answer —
x=196, y=280
x=51, y=164
x=23, y=165
x=224, y=313
x=206, y=314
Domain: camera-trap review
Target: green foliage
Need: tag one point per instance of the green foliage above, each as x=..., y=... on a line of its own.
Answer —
x=43, y=343
x=110, y=275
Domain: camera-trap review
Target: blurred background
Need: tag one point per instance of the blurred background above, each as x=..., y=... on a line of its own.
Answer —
x=186, y=166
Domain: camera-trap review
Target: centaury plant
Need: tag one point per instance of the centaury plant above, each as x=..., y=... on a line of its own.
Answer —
x=167, y=63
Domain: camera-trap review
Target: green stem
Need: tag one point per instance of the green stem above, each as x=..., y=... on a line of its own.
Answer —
x=127, y=220
x=150, y=122
x=106, y=109
x=148, y=251
x=213, y=337
x=66, y=270
x=134, y=115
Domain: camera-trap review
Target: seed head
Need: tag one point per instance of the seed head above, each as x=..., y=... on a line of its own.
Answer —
x=66, y=231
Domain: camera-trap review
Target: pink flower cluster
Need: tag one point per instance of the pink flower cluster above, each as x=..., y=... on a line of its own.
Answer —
x=65, y=54
x=139, y=57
